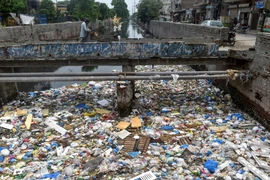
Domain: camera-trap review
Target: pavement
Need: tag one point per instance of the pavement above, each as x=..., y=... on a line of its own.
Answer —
x=243, y=42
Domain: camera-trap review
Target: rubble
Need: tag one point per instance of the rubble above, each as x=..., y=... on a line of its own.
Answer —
x=177, y=130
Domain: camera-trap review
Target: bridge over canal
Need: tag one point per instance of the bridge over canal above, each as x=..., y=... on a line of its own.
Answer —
x=128, y=54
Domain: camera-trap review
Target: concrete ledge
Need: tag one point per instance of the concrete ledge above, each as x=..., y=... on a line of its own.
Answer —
x=46, y=32
x=163, y=29
x=128, y=50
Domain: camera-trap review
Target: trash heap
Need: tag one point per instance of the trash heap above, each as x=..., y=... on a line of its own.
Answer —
x=177, y=130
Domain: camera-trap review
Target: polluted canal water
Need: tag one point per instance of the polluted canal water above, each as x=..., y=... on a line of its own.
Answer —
x=179, y=129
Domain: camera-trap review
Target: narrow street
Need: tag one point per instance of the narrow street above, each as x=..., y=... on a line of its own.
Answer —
x=243, y=41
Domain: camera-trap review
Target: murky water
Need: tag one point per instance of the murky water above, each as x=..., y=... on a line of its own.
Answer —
x=129, y=30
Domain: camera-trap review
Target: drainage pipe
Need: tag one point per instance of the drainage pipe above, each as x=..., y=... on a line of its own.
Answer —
x=107, y=78
x=112, y=74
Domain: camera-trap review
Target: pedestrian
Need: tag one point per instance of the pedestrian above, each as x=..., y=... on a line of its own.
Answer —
x=235, y=21
x=84, y=31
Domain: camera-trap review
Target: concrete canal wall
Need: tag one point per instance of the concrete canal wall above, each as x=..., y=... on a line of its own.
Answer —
x=47, y=32
x=253, y=96
x=163, y=29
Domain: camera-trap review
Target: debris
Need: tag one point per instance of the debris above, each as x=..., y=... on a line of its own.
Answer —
x=253, y=169
x=28, y=121
x=177, y=130
x=136, y=122
x=122, y=125
x=123, y=134
x=7, y=126
x=145, y=176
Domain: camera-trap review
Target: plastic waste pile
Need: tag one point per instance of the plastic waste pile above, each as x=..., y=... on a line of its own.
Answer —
x=177, y=130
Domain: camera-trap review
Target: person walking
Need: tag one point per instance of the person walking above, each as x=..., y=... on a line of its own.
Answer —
x=84, y=31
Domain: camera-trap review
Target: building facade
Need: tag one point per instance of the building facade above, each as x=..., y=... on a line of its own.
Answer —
x=165, y=11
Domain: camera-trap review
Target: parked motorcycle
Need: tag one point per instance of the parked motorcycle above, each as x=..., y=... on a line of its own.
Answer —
x=241, y=29
x=231, y=38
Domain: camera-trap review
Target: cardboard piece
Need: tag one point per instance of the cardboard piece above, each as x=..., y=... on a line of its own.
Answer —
x=45, y=112
x=21, y=112
x=136, y=122
x=28, y=121
x=122, y=125
x=9, y=113
x=102, y=111
x=218, y=129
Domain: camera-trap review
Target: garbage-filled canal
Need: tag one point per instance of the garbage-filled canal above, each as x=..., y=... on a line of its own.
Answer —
x=177, y=130
x=181, y=129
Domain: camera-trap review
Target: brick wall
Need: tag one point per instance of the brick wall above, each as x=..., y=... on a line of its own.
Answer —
x=46, y=32
x=163, y=29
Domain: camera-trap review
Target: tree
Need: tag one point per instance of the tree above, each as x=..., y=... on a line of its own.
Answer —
x=120, y=8
x=7, y=6
x=104, y=11
x=47, y=7
x=85, y=9
x=19, y=6
x=149, y=10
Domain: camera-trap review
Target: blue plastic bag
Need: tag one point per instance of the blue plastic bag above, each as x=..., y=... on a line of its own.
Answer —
x=167, y=128
x=134, y=154
x=219, y=141
x=211, y=166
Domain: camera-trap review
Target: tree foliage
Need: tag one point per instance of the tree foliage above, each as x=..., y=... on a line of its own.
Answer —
x=104, y=11
x=120, y=8
x=47, y=7
x=7, y=6
x=149, y=10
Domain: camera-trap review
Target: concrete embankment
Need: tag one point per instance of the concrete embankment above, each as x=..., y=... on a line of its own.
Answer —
x=47, y=32
x=179, y=30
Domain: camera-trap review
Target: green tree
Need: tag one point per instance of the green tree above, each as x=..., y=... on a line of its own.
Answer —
x=7, y=6
x=120, y=8
x=134, y=16
x=112, y=13
x=86, y=9
x=104, y=11
x=47, y=7
x=149, y=10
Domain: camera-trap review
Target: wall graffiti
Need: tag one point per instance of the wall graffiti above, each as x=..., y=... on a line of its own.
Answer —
x=129, y=50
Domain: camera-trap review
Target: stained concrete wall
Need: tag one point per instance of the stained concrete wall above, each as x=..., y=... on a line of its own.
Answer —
x=253, y=96
x=132, y=49
x=47, y=32
x=163, y=29
x=7, y=90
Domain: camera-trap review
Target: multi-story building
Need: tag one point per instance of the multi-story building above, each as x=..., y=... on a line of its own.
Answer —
x=182, y=10
x=165, y=11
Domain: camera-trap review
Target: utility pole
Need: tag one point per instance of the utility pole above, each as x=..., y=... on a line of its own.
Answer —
x=57, y=11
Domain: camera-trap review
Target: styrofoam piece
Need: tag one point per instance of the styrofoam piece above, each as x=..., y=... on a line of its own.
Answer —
x=224, y=165
x=52, y=124
x=262, y=154
x=253, y=169
x=7, y=126
x=123, y=134
x=145, y=176
x=261, y=163
x=43, y=170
